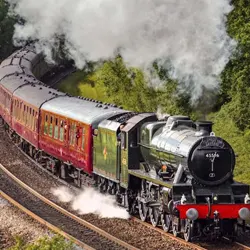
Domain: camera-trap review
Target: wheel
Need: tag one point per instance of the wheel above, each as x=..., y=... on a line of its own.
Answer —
x=189, y=230
x=102, y=186
x=143, y=210
x=166, y=222
x=154, y=215
x=175, y=230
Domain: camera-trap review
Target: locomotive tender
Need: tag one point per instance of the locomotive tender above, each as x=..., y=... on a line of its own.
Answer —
x=174, y=172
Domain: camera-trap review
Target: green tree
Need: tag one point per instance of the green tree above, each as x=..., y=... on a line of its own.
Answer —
x=124, y=86
x=6, y=31
x=236, y=77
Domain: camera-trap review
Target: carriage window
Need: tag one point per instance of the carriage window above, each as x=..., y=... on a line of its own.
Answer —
x=24, y=113
x=61, y=130
x=51, y=126
x=46, y=125
x=56, y=129
x=17, y=106
x=33, y=120
x=83, y=138
x=14, y=109
x=72, y=134
x=19, y=111
x=30, y=118
x=36, y=120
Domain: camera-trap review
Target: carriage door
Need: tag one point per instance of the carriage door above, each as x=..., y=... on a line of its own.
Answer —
x=66, y=133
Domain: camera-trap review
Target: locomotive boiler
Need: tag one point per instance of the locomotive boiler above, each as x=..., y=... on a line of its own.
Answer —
x=189, y=148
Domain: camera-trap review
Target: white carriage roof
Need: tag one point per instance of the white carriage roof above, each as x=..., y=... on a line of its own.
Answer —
x=36, y=94
x=12, y=83
x=85, y=111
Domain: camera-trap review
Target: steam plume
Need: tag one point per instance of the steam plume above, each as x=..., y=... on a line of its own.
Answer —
x=188, y=37
x=160, y=115
x=90, y=201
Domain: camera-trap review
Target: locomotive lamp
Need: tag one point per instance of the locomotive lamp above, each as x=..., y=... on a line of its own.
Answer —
x=244, y=213
x=247, y=199
x=183, y=199
x=192, y=214
x=215, y=198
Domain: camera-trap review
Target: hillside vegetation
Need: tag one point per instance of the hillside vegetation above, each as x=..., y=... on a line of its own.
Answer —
x=115, y=83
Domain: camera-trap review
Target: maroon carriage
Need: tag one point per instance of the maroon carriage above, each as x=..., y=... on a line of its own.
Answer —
x=67, y=125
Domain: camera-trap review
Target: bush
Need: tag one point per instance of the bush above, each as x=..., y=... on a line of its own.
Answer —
x=55, y=243
x=224, y=126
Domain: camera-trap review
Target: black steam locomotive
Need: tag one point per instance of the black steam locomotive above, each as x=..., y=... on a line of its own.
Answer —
x=187, y=179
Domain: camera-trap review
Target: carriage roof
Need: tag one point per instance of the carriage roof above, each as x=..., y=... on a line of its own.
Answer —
x=88, y=112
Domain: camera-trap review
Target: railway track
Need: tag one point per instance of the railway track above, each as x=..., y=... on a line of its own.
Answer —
x=60, y=220
x=200, y=246
x=179, y=244
x=56, y=218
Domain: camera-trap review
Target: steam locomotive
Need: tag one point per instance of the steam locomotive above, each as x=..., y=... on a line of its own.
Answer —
x=174, y=172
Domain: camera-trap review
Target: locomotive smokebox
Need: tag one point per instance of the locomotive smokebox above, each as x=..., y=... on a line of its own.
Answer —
x=204, y=127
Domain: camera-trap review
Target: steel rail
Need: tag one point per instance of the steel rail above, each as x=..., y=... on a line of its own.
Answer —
x=44, y=222
x=180, y=240
x=242, y=245
x=66, y=213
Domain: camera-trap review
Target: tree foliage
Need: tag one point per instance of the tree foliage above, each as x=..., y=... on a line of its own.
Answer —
x=130, y=88
x=236, y=77
x=6, y=31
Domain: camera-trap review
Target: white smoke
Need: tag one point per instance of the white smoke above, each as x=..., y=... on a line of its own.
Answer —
x=90, y=201
x=160, y=115
x=188, y=37
x=63, y=194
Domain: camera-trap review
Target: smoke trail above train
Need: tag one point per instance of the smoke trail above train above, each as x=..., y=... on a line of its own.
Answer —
x=188, y=37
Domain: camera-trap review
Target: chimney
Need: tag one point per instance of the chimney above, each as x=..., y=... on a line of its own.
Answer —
x=204, y=127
